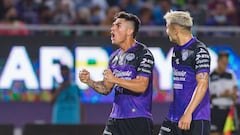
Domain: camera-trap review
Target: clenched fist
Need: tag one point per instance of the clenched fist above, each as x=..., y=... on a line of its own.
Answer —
x=84, y=76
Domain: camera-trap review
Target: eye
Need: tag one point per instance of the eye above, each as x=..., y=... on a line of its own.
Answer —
x=118, y=25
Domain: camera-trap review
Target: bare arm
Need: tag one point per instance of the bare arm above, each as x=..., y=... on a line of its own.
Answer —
x=101, y=87
x=199, y=93
x=235, y=94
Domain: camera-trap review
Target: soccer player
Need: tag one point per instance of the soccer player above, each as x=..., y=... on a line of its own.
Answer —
x=130, y=76
x=223, y=91
x=189, y=113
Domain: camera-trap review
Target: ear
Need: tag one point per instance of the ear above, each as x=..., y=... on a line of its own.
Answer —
x=130, y=31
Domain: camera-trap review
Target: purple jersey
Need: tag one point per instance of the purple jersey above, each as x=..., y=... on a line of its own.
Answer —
x=136, y=61
x=187, y=61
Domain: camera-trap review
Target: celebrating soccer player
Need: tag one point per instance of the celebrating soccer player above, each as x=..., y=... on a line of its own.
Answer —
x=130, y=76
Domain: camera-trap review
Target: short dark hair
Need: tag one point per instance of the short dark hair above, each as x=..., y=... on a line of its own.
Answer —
x=129, y=17
x=222, y=54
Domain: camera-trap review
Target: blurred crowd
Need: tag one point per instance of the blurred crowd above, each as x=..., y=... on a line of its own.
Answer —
x=101, y=12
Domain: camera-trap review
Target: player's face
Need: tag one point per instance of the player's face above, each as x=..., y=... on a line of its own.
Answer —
x=223, y=63
x=171, y=32
x=119, y=31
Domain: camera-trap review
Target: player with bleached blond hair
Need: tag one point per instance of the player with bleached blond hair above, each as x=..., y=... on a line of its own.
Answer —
x=189, y=113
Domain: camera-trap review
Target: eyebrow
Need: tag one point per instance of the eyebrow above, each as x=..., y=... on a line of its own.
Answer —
x=116, y=23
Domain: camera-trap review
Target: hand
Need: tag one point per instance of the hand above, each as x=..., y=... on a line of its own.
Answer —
x=84, y=76
x=226, y=93
x=108, y=76
x=185, y=121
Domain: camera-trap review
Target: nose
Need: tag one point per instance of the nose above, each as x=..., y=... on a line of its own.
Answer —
x=112, y=27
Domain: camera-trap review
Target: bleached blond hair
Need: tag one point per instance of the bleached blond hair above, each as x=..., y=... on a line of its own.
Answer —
x=181, y=18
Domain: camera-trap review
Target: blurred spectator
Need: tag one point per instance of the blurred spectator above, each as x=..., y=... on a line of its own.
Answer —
x=11, y=19
x=110, y=13
x=131, y=6
x=123, y=4
x=223, y=91
x=83, y=16
x=65, y=99
x=198, y=12
x=179, y=3
x=232, y=10
x=229, y=8
x=103, y=6
x=68, y=12
x=238, y=11
x=146, y=18
x=95, y=15
x=112, y=2
x=28, y=11
x=161, y=8
x=219, y=15
x=82, y=3
x=45, y=14
x=5, y=5
x=63, y=13
x=146, y=15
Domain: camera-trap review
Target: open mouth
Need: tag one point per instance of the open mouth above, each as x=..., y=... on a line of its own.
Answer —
x=112, y=35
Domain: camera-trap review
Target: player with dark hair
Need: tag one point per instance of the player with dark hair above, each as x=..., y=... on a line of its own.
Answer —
x=224, y=93
x=189, y=113
x=130, y=76
x=66, y=100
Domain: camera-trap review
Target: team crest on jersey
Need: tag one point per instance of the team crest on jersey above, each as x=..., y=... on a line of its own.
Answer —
x=130, y=56
x=186, y=54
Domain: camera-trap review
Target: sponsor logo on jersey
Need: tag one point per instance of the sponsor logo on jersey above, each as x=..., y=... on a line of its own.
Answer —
x=130, y=56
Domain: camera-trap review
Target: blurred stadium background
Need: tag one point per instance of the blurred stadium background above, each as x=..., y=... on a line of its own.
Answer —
x=35, y=33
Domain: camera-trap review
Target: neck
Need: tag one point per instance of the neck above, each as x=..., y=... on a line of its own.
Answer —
x=219, y=70
x=127, y=44
x=184, y=38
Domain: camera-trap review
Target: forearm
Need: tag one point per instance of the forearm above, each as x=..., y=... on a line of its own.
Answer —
x=197, y=97
x=235, y=94
x=138, y=85
x=99, y=87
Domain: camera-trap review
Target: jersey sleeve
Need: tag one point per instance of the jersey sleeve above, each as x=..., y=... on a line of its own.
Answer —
x=146, y=65
x=202, y=60
x=234, y=78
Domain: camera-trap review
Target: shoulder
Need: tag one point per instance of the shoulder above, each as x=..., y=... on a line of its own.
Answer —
x=146, y=54
x=201, y=50
x=230, y=73
x=144, y=49
x=199, y=46
x=114, y=53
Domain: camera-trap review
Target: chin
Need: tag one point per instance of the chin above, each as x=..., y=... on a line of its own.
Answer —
x=114, y=43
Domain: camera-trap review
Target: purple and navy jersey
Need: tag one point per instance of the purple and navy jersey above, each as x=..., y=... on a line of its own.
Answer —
x=136, y=61
x=187, y=61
